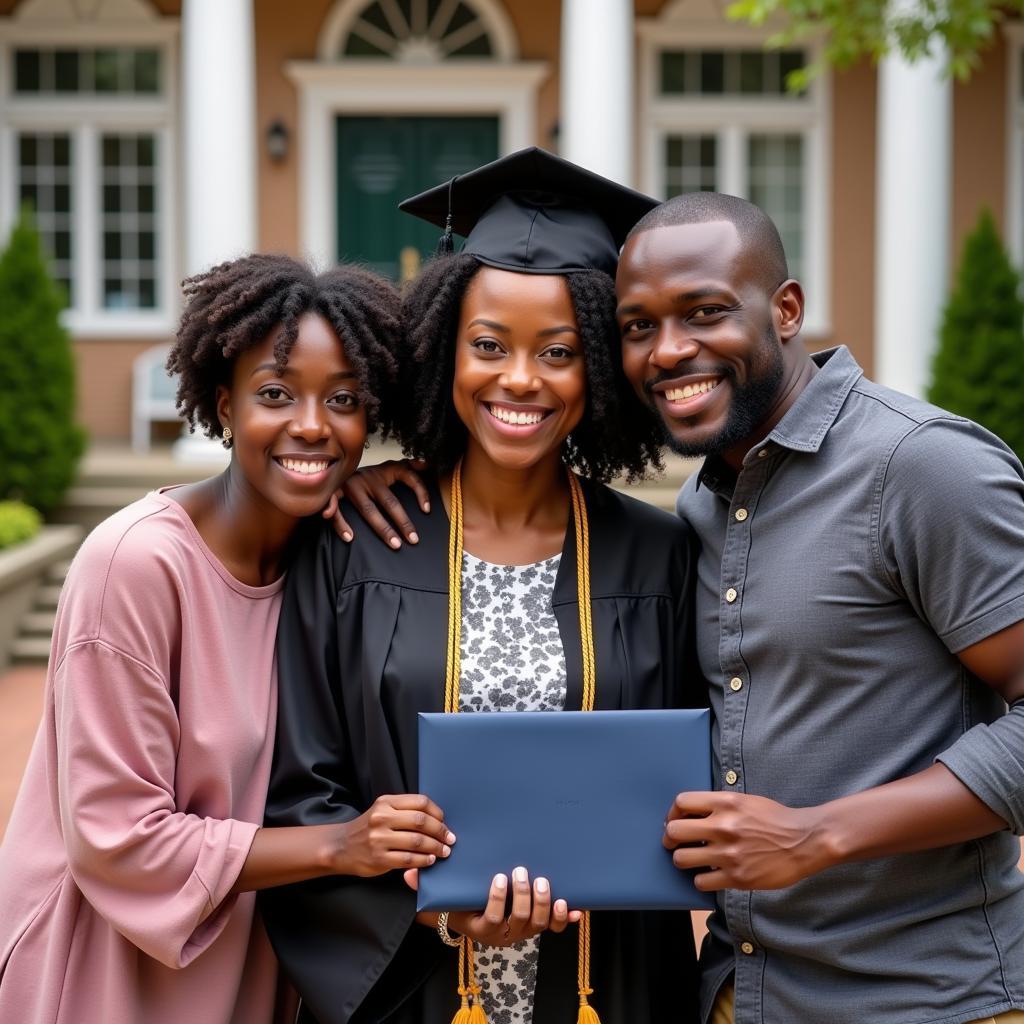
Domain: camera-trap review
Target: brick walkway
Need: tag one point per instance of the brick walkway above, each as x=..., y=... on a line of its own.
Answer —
x=21, y=701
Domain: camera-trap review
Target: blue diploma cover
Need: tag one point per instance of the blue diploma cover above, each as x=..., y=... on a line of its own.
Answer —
x=577, y=797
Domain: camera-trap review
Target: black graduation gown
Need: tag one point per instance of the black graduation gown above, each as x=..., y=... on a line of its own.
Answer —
x=361, y=650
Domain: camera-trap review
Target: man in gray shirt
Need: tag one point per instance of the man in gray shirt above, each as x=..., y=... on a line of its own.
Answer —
x=861, y=628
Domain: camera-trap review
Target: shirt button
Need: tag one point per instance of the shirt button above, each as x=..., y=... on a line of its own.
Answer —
x=747, y=948
x=731, y=777
x=741, y=514
x=735, y=684
x=762, y=453
x=731, y=595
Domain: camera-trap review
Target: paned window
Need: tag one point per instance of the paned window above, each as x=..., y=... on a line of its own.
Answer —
x=45, y=184
x=691, y=164
x=88, y=127
x=728, y=72
x=110, y=71
x=720, y=118
x=130, y=221
x=775, y=173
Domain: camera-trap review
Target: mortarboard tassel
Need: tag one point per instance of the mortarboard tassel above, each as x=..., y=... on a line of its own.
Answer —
x=446, y=245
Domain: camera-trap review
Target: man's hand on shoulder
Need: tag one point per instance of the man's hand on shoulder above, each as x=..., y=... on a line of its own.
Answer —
x=370, y=492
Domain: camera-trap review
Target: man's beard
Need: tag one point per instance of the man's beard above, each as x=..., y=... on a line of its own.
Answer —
x=751, y=402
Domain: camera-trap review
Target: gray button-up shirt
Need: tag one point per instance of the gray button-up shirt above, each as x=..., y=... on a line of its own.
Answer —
x=863, y=544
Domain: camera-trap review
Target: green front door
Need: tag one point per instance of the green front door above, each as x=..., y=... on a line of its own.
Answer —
x=382, y=160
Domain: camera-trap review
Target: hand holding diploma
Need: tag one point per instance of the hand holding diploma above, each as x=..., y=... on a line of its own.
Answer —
x=532, y=911
x=403, y=831
x=740, y=841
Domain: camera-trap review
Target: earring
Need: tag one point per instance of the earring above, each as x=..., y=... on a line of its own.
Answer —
x=227, y=435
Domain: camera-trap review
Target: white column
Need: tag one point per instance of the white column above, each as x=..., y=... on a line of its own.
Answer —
x=597, y=86
x=219, y=88
x=914, y=169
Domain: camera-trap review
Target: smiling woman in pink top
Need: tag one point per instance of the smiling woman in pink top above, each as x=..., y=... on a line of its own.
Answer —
x=128, y=869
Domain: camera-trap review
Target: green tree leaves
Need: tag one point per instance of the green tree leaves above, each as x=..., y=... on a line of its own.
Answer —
x=978, y=370
x=852, y=30
x=39, y=441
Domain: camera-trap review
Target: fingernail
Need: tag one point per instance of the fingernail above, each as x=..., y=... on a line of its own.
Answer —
x=426, y=506
x=446, y=851
x=433, y=858
x=347, y=535
x=561, y=906
x=519, y=875
x=414, y=537
x=395, y=542
x=542, y=885
x=450, y=838
x=500, y=881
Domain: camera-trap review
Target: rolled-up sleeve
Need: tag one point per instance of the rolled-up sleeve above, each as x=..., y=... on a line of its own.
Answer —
x=951, y=538
x=161, y=877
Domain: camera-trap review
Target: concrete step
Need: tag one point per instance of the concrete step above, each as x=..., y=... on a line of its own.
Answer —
x=47, y=597
x=34, y=650
x=59, y=572
x=38, y=623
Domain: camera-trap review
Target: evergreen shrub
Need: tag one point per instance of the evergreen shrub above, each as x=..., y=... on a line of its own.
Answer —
x=18, y=522
x=39, y=442
x=978, y=370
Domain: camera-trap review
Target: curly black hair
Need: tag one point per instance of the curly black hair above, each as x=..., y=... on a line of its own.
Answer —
x=618, y=435
x=237, y=304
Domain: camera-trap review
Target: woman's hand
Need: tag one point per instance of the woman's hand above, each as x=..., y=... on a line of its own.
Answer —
x=406, y=831
x=369, y=490
x=532, y=912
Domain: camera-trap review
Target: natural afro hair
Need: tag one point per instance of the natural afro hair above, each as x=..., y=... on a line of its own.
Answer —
x=617, y=436
x=236, y=305
x=757, y=231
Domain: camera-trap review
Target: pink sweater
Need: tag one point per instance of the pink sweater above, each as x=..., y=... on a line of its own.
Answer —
x=144, y=789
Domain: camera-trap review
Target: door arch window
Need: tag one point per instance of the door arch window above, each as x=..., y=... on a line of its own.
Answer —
x=418, y=31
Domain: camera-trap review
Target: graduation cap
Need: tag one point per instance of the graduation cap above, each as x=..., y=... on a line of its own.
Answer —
x=534, y=213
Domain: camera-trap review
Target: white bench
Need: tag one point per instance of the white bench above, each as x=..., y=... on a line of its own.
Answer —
x=153, y=395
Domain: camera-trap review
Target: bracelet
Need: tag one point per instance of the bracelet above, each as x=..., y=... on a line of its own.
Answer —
x=442, y=931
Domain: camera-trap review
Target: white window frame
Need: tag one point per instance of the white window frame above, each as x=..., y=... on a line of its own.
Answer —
x=731, y=119
x=86, y=118
x=1014, y=33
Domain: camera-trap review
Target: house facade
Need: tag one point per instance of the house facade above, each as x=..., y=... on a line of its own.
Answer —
x=157, y=137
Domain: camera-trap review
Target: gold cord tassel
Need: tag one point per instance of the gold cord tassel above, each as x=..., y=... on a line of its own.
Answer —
x=587, y=1015
x=471, y=1011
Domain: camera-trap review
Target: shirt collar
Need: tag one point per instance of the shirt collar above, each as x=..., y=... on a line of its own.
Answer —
x=808, y=420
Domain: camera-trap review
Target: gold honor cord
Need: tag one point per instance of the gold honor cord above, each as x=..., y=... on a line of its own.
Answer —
x=471, y=1011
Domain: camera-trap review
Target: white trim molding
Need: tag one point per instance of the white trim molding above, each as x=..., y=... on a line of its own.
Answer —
x=702, y=25
x=371, y=86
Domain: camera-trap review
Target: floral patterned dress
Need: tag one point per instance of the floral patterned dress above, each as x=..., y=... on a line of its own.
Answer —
x=512, y=660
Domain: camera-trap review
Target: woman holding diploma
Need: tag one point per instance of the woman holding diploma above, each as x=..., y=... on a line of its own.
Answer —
x=510, y=390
